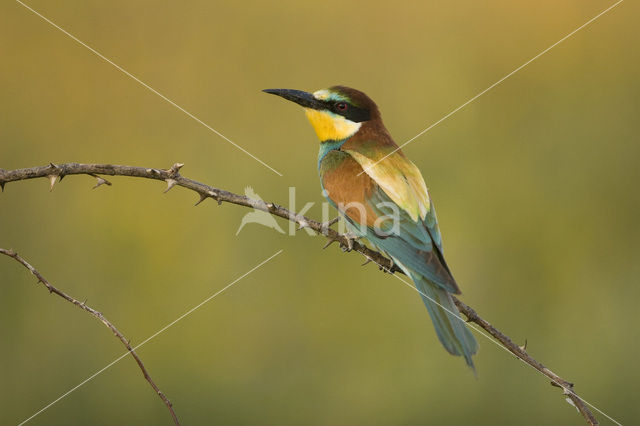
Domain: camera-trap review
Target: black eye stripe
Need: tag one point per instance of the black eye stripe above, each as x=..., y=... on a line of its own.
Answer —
x=351, y=112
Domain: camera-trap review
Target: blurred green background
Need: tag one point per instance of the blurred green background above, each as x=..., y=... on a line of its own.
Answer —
x=536, y=185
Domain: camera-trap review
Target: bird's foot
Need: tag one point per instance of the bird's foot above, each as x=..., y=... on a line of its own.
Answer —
x=388, y=270
x=351, y=239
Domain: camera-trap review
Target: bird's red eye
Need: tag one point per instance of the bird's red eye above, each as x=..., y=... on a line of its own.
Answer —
x=341, y=106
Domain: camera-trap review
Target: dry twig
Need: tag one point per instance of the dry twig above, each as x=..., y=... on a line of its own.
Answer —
x=173, y=178
x=84, y=306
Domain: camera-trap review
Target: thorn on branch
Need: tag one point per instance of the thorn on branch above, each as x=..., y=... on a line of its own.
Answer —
x=570, y=401
x=173, y=171
x=331, y=241
x=202, y=198
x=170, y=184
x=366, y=262
x=524, y=347
x=326, y=225
x=101, y=181
x=2, y=186
x=52, y=181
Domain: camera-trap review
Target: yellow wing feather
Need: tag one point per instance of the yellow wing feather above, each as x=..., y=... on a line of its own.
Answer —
x=399, y=178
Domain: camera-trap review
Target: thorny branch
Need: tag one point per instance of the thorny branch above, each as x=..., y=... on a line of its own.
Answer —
x=173, y=178
x=98, y=315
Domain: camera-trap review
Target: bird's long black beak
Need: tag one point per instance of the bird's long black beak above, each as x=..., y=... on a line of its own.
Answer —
x=304, y=99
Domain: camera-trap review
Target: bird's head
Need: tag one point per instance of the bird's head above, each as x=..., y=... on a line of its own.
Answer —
x=336, y=113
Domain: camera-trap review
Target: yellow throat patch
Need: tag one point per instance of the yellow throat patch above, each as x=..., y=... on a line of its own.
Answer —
x=329, y=126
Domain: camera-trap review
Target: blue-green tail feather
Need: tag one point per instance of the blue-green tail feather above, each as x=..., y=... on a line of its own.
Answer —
x=451, y=329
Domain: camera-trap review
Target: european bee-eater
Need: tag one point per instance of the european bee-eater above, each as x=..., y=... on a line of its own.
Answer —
x=370, y=181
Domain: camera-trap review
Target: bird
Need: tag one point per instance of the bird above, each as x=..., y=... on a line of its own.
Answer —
x=383, y=199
